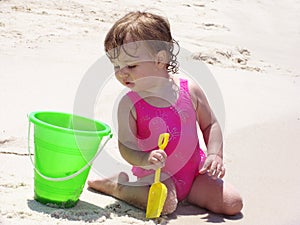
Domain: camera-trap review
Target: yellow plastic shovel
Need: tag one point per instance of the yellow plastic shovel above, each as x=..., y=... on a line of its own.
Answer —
x=158, y=191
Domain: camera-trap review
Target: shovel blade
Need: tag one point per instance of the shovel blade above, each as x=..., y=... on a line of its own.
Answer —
x=156, y=199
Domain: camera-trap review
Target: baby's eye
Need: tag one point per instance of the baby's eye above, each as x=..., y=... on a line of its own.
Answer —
x=131, y=66
x=116, y=67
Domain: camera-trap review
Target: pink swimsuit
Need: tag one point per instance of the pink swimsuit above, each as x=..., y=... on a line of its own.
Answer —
x=183, y=150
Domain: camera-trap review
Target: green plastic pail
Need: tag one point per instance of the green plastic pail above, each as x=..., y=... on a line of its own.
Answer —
x=65, y=145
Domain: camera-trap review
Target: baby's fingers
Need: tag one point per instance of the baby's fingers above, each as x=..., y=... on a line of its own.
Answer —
x=212, y=169
x=157, y=159
x=217, y=172
x=160, y=156
x=205, y=167
x=222, y=172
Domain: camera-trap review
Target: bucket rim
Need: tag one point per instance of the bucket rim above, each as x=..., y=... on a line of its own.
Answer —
x=32, y=118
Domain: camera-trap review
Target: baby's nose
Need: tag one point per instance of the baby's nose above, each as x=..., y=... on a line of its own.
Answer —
x=123, y=72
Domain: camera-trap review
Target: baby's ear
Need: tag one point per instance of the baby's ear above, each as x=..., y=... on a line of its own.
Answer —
x=161, y=59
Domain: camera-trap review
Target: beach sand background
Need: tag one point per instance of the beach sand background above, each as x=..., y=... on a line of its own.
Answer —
x=250, y=47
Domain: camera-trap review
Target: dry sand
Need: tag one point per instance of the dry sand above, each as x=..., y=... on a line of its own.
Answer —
x=252, y=49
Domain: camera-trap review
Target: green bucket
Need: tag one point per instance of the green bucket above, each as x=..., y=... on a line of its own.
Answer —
x=65, y=146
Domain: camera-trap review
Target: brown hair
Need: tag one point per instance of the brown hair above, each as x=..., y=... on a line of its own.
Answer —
x=143, y=26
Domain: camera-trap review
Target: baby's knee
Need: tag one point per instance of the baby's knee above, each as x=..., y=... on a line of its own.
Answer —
x=233, y=206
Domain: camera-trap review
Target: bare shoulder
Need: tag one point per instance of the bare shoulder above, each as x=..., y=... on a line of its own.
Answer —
x=126, y=107
x=125, y=103
x=205, y=115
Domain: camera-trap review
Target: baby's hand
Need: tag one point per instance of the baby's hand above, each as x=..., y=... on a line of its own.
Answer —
x=213, y=166
x=155, y=159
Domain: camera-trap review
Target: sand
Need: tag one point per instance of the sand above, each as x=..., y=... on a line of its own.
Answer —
x=252, y=50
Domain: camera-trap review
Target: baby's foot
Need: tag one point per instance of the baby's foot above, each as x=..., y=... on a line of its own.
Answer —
x=109, y=185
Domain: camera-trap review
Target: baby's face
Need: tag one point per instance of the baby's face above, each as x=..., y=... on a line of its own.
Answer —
x=135, y=66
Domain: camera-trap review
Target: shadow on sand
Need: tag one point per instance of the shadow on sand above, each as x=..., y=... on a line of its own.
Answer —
x=87, y=212
x=121, y=208
x=83, y=211
x=186, y=209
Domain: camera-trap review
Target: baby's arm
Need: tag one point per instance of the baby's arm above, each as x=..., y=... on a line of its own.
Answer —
x=127, y=140
x=211, y=131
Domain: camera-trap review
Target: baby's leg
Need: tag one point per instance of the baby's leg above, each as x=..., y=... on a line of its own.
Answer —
x=134, y=193
x=215, y=195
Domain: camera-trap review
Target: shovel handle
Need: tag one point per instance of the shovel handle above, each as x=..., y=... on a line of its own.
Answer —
x=162, y=143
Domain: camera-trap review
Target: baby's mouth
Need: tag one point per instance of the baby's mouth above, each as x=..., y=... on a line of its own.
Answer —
x=128, y=83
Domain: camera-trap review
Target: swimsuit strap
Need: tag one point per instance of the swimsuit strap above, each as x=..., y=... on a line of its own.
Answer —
x=184, y=88
x=184, y=84
x=134, y=97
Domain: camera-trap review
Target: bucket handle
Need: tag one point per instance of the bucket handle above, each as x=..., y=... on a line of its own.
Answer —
x=69, y=176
